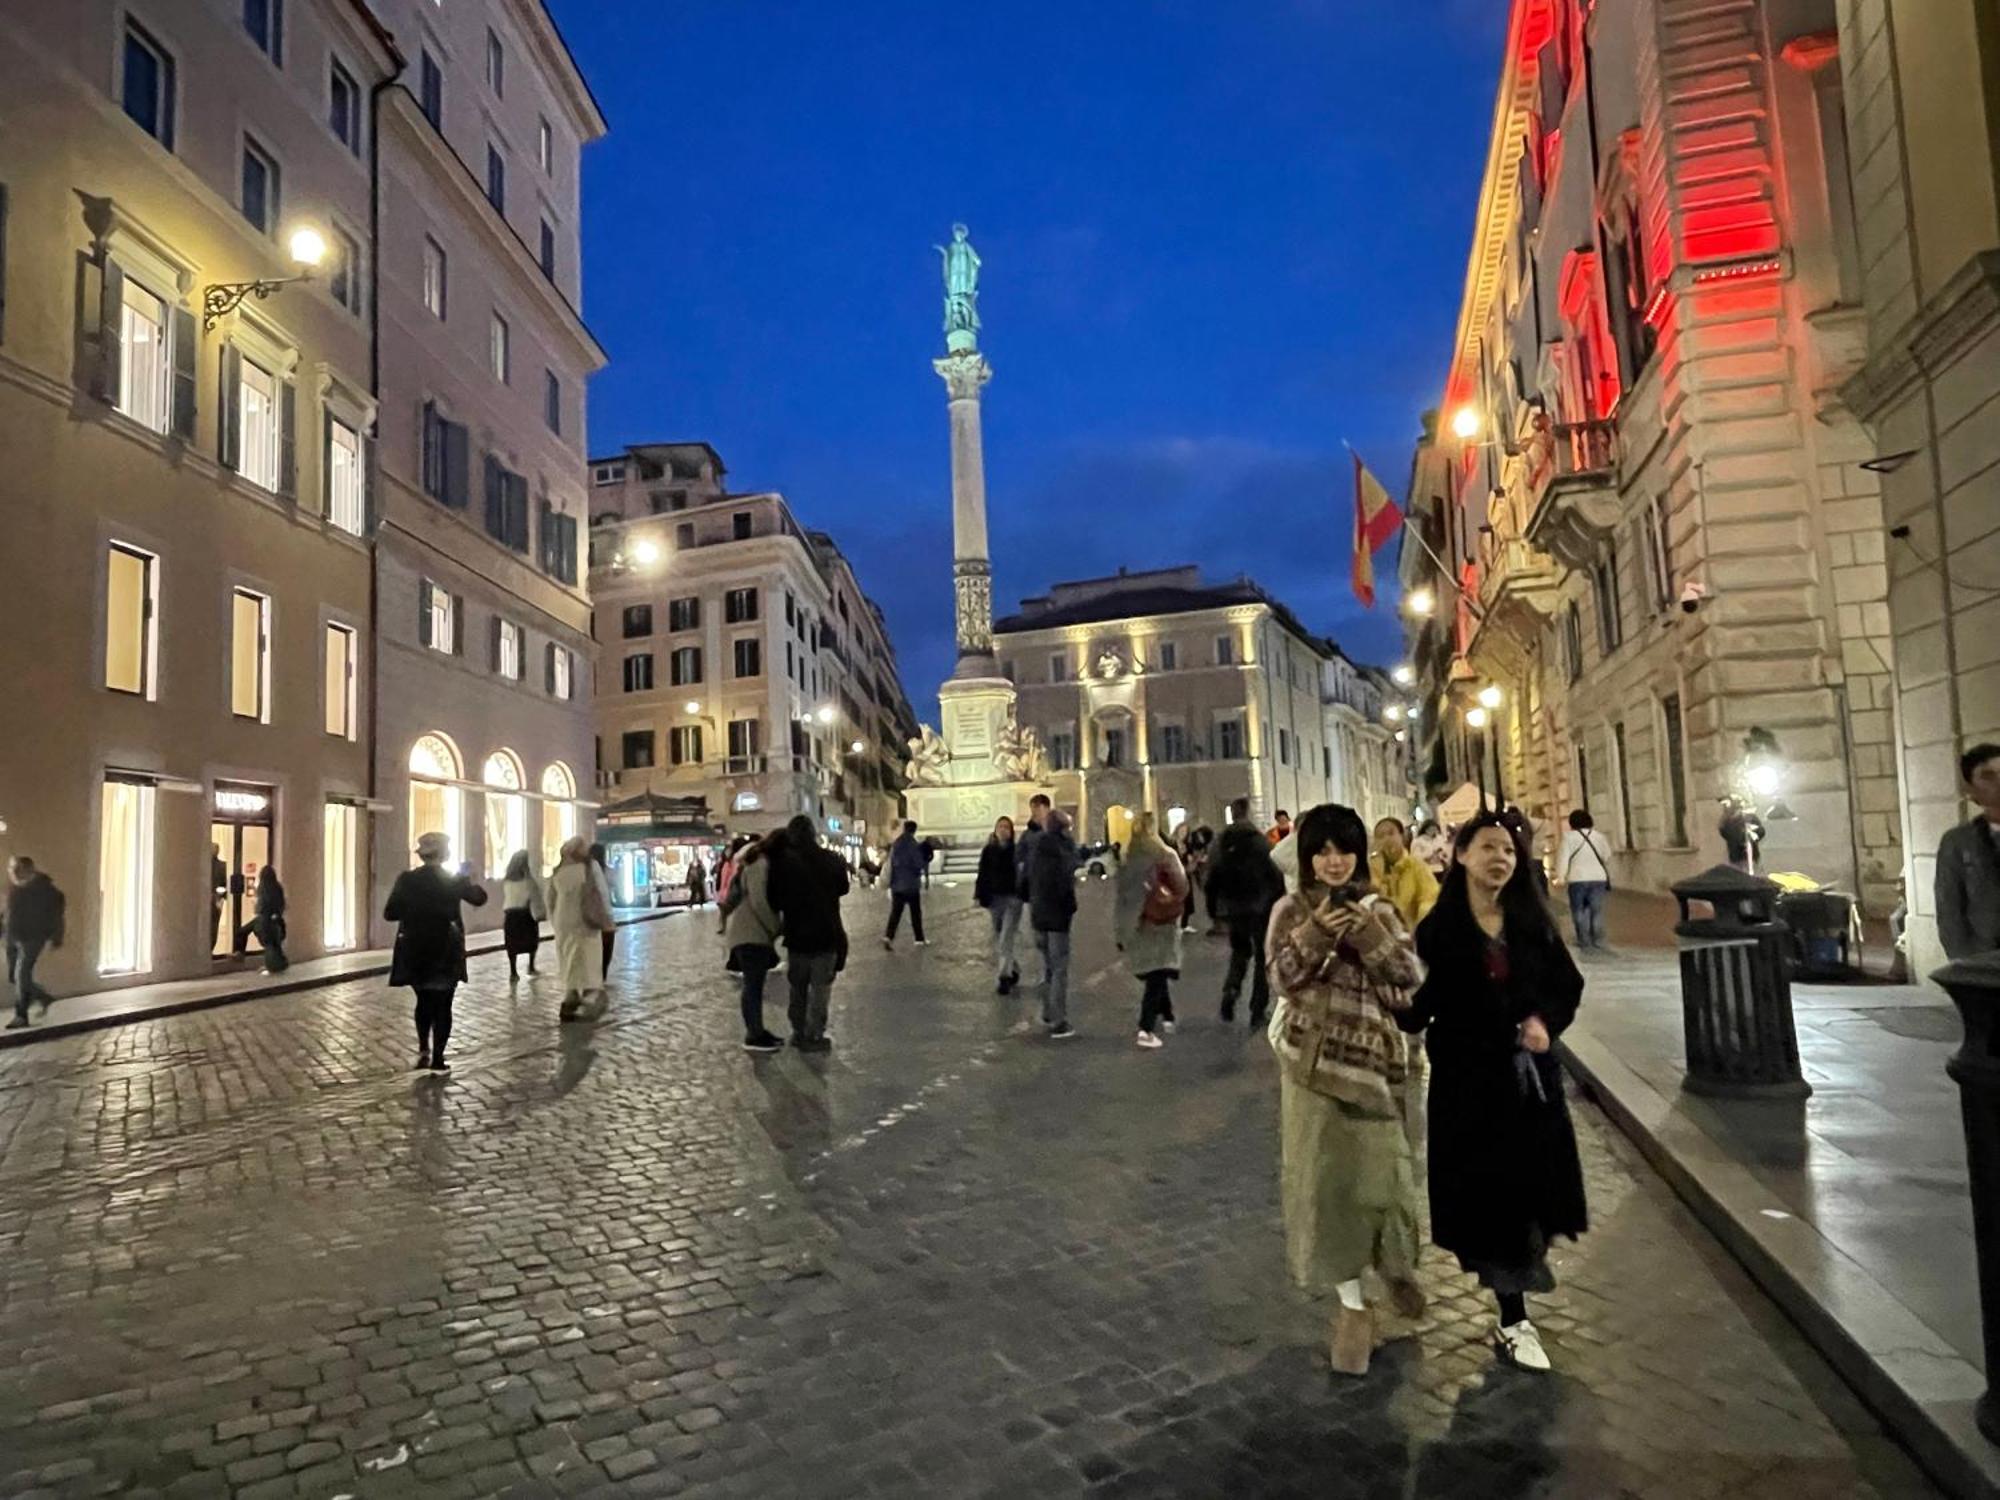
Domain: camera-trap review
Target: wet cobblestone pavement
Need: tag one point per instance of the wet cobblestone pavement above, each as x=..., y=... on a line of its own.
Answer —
x=246, y=1252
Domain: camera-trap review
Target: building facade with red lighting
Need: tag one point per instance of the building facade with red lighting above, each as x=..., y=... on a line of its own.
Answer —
x=1651, y=522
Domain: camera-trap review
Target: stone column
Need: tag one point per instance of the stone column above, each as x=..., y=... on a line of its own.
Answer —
x=964, y=372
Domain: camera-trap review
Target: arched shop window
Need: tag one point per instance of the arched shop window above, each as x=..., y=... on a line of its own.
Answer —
x=558, y=812
x=506, y=810
x=435, y=803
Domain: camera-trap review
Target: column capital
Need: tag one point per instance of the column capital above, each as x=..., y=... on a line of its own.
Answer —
x=963, y=373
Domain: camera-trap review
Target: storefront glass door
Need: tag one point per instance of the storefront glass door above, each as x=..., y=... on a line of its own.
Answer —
x=240, y=848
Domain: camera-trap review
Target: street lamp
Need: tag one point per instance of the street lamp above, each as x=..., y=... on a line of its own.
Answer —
x=825, y=714
x=1466, y=423
x=307, y=247
x=856, y=746
x=645, y=552
x=1393, y=713
x=1490, y=697
x=1403, y=674
x=1764, y=779
x=1475, y=718
x=692, y=706
x=1420, y=602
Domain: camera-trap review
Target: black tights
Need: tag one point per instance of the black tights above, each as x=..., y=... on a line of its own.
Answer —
x=434, y=1020
x=1513, y=1308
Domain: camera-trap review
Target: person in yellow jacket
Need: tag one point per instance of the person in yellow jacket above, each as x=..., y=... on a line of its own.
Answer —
x=1400, y=876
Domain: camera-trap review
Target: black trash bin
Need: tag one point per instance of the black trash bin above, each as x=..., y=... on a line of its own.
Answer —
x=1736, y=989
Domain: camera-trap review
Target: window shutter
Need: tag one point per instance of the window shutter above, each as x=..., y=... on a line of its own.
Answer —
x=458, y=625
x=457, y=464
x=326, y=463
x=184, y=349
x=368, y=500
x=431, y=454
x=496, y=518
x=549, y=667
x=3, y=262
x=110, y=346
x=494, y=638
x=288, y=440
x=424, y=612
x=229, y=436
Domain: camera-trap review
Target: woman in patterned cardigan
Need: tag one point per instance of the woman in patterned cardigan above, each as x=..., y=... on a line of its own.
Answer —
x=1342, y=966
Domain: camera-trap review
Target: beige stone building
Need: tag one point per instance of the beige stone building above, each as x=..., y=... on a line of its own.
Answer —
x=482, y=609
x=739, y=661
x=185, y=591
x=1653, y=522
x=1156, y=691
x=1921, y=80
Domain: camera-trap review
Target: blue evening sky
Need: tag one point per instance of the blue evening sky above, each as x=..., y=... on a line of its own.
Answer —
x=1220, y=237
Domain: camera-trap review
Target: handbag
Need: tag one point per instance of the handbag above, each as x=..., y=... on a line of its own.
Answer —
x=596, y=910
x=1164, y=903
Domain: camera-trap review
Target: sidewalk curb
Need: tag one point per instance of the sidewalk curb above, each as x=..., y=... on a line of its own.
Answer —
x=1921, y=1388
x=48, y=1031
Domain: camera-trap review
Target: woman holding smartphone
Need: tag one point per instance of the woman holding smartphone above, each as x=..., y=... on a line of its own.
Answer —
x=1504, y=1175
x=1341, y=969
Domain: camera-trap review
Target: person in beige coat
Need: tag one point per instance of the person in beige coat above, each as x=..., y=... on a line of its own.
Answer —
x=580, y=913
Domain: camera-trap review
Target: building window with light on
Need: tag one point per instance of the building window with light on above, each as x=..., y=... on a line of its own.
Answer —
x=259, y=440
x=346, y=480
x=250, y=655
x=145, y=359
x=131, y=646
x=125, y=876
x=342, y=653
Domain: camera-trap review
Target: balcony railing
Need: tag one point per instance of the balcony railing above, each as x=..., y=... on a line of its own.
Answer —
x=743, y=765
x=1572, y=489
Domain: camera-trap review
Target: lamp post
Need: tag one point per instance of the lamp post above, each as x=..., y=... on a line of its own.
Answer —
x=1475, y=719
x=1490, y=699
x=308, y=249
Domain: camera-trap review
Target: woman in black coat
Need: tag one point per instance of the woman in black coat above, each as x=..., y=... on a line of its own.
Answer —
x=1504, y=1175
x=430, y=942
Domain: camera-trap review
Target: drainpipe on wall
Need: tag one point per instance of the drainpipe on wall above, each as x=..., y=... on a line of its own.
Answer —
x=397, y=66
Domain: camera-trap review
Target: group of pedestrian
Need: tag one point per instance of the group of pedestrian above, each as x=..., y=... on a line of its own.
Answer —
x=1487, y=984
x=787, y=889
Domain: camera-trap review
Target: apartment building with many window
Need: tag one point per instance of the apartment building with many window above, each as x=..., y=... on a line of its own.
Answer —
x=483, y=611
x=1659, y=525
x=739, y=660
x=185, y=591
x=1154, y=690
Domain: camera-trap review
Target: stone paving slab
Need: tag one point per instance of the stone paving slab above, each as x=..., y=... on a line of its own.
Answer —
x=244, y=1252
x=1852, y=1208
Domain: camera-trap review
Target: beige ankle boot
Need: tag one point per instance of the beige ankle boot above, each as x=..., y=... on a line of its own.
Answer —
x=1351, y=1341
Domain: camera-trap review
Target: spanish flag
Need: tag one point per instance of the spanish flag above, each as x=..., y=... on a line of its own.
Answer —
x=1376, y=519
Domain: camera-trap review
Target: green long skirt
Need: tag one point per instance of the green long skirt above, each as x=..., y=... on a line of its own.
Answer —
x=1350, y=1192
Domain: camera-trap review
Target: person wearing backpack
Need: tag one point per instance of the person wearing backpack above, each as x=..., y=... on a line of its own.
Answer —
x=1152, y=887
x=1585, y=866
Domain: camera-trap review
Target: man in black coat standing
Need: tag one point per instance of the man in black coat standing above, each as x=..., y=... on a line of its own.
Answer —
x=35, y=910
x=1243, y=885
x=806, y=886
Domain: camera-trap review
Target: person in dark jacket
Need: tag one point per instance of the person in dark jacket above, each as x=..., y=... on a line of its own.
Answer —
x=1967, y=884
x=1243, y=885
x=997, y=888
x=806, y=886
x=35, y=911
x=907, y=861
x=610, y=938
x=1505, y=1178
x=269, y=921
x=430, y=942
x=1051, y=893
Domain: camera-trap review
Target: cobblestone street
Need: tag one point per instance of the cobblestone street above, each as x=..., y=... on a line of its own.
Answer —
x=246, y=1252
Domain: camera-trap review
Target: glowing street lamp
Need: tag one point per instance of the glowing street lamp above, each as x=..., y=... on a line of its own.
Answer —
x=1490, y=697
x=1421, y=602
x=306, y=247
x=1466, y=423
x=645, y=552
x=856, y=746
x=825, y=715
x=692, y=706
x=1764, y=778
x=1403, y=674
x=1475, y=718
x=1393, y=713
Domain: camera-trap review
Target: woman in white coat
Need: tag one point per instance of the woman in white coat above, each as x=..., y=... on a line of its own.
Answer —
x=579, y=912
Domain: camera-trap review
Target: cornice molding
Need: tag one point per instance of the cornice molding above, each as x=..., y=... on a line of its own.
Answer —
x=1966, y=307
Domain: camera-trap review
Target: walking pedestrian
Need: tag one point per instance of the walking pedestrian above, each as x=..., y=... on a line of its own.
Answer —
x=269, y=921
x=1403, y=880
x=522, y=905
x=907, y=860
x=1585, y=866
x=429, y=957
x=580, y=916
x=609, y=938
x=997, y=888
x=1152, y=887
x=1344, y=968
x=1243, y=885
x=1051, y=882
x=36, y=908
x=1505, y=1179
x=1280, y=829
x=805, y=890
x=750, y=929
x=697, y=882
x=1967, y=884
x=1431, y=847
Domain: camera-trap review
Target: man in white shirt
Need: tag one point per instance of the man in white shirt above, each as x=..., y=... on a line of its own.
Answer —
x=1583, y=864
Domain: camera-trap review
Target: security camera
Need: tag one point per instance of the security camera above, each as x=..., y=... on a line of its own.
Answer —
x=1693, y=596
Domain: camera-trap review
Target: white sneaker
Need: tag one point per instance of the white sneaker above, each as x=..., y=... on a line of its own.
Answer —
x=1521, y=1346
x=1167, y=1027
x=923, y=942
x=1147, y=1039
